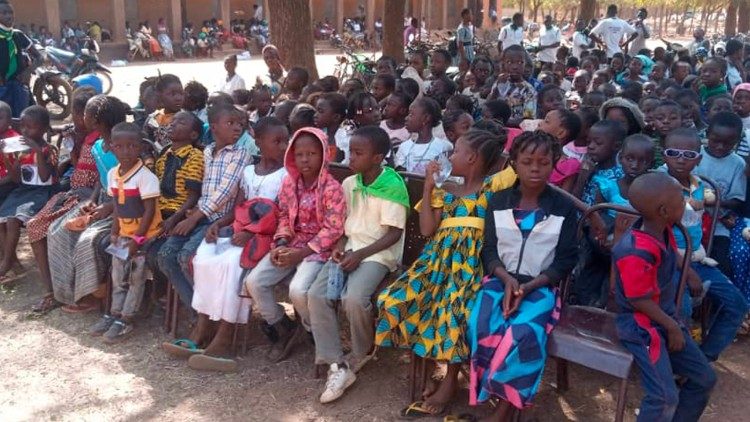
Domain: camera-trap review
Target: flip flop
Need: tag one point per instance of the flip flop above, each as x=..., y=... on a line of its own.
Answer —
x=80, y=309
x=203, y=362
x=11, y=276
x=418, y=410
x=45, y=304
x=182, y=348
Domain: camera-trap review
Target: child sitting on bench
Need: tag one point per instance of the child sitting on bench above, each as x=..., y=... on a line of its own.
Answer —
x=377, y=203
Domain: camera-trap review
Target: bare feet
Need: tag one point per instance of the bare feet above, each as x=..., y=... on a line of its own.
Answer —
x=438, y=400
x=221, y=345
x=201, y=333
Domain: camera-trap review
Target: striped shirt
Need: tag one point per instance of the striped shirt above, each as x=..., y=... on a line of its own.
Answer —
x=221, y=179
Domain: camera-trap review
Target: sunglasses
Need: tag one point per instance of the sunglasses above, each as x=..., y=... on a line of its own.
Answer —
x=684, y=153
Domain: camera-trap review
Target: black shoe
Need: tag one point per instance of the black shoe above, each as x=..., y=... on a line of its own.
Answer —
x=269, y=331
x=285, y=329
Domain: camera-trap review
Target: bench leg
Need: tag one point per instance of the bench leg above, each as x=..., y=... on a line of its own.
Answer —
x=621, y=400
x=168, y=307
x=417, y=376
x=175, y=311
x=562, y=375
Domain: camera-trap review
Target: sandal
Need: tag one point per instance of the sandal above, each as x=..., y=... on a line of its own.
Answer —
x=80, y=309
x=182, y=348
x=203, y=362
x=418, y=410
x=45, y=304
x=11, y=276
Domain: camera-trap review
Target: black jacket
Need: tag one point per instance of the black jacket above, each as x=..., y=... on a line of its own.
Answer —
x=550, y=248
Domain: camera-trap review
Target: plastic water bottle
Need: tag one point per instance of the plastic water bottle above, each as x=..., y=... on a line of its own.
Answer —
x=445, y=169
x=336, y=279
x=224, y=241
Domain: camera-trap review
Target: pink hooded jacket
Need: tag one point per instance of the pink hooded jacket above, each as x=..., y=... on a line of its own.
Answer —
x=330, y=204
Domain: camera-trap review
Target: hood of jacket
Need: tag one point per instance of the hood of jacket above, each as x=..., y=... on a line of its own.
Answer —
x=291, y=166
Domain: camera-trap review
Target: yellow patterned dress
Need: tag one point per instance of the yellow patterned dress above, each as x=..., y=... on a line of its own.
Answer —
x=427, y=308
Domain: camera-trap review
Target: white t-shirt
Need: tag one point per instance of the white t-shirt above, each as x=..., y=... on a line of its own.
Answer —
x=509, y=36
x=611, y=31
x=397, y=136
x=234, y=83
x=639, y=43
x=548, y=37
x=580, y=43
x=414, y=157
x=256, y=186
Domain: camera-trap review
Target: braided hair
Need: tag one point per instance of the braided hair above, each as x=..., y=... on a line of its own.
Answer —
x=486, y=145
x=107, y=110
x=531, y=141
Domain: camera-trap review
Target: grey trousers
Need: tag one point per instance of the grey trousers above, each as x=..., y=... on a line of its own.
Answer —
x=356, y=300
x=265, y=276
x=128, y=286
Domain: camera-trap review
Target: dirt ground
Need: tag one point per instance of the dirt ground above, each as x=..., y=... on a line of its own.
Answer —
x=50, y=369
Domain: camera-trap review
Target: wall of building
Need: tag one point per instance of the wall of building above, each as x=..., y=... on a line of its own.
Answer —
x=28, y=13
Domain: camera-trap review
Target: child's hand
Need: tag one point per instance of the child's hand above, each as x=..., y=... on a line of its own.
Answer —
x=515, y=302
x=338, y=254
x=350, y=262
x=114, y=239
x=695, y=284
x=511, y=288
x=87, y=208
x=212, y=233
x=184, y=227
x=31, y=144
x=167, y=225
x=241, y=238
x=430, y=170
x=100, y=212
x=132, y=247
x=277, y=254
x=291, y=257
x=675, y=338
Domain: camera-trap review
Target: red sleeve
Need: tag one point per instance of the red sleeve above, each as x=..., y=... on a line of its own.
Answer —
x=638, y=277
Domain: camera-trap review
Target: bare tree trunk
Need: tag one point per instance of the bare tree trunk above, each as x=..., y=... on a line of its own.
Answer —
x=743, y=16
x=291, y=31
x=730, y=24
x=588, y=9
x=393, y=29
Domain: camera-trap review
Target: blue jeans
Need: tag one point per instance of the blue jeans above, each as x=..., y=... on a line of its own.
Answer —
x=174, y=260
x=728, y=308
x=663, y=401
x=17, y=96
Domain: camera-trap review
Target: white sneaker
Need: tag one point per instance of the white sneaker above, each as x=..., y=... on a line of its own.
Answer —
x=339, y=379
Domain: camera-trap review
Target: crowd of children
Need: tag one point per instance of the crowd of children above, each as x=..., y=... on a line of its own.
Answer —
x=224, y=196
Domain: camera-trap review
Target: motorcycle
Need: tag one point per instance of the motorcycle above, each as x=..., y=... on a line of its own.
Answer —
x=71, y=65
x=50, y=89
x=138, y=46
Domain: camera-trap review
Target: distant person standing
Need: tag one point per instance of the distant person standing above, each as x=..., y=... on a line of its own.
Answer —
x=12, y=64
x=699, y=40
x=258, y=12
x=549, y=41
x=465, y=37
x=581, y=40
x=610, y=32
x=642, y=32
x=411, y=31
x=511, y=34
